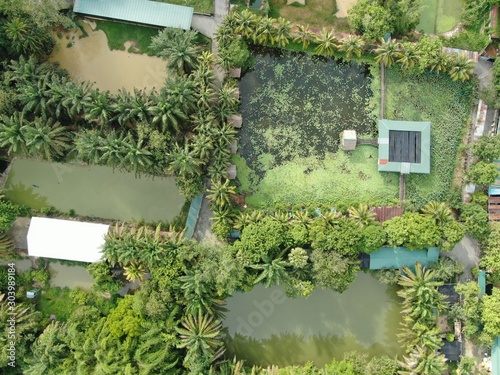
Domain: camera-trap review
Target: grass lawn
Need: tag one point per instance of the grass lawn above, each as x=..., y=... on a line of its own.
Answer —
x=439, y=16
x=56, y=301
x=316, y=14
x=447, y=105
x=341, y=179
x=118, y=33
x=200, y=6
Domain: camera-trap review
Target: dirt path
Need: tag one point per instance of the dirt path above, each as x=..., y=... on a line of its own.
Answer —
x=203, y=229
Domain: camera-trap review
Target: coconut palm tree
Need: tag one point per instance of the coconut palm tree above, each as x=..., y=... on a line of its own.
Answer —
x=326, y=43
x=59, y=88
x=362, y=215
x=12, y=133
x=35, y=96
x=227, y=100
x=281, y=34
x=136, y=156
x=264, y=32
x=79, y=99
x=438, y=62
x=408, y=55
x=387, y=52
x=303, y=35
x=418, y=335
x=182, y=56
x=223, y=215
x=202, y=146
x=247, y=22
x=46, y=138
x=182, y=93
x=24, y=37
x=220, y=192
x=439, y=211
x=100, y=108
x=200, y=334
x=460, y=68
x=353, y=45
x=167, y=114
x=273, y=271
x=112, y=149
x=421, y=296
x=183, y=162
x=88, y=145
x=6, y=248
x=423, y=362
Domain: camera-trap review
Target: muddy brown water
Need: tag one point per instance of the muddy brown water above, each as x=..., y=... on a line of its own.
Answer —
x=90, y=59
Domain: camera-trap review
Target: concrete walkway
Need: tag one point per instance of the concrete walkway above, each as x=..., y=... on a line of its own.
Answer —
x=467, y=253
x=207, y=25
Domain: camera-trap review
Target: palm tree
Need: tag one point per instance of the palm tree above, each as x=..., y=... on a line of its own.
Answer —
x=264, y=31
x=246, y=23
x=183, y=162
x=408, y=55
x=12, y=133
x=421, y=296
x=439, y=211
x=303, y=35
x=423, y=362
x=135, y=155
x=460, y=68
x=362, y=215
x=281, y=34
x=353, y=45
x=182, y=93
x=206, y=58
x=6, y=248
x=88, y=144
x=326, y=43
x=273, y=271
x=418, y=335
x=202, y=146
x=79, y=100
x=223, y=215
x=59, y=88
x=181, y=56
x=35, y=96
x=112, y=150
x=387, y=52
x=100, y=108
x=24, y=37
x=167, y=114
x=205, y=123
x=227, y=100
x=220, y=192
x=134, y=272
x=200, y=335
x=438, y=63
x=46, y=138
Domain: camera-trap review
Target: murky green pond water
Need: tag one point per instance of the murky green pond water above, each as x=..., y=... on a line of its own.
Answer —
x=265, y=327
x=93, y=191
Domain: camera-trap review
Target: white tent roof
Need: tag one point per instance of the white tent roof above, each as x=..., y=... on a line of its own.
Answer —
x=65, y=239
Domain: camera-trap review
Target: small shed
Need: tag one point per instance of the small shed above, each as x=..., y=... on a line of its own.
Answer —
x=451, y=350
x=235, y=120
x=66, y=239
x=348, y=140
x=397, y=257
x=404, y=146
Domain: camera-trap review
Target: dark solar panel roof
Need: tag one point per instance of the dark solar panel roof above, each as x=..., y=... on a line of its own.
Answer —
x=404, y=146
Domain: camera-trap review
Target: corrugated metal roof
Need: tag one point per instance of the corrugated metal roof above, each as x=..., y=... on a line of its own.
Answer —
x=384, y=149
x=397, y=257
x=138, y=11
x=385, y=213
x=495, y=357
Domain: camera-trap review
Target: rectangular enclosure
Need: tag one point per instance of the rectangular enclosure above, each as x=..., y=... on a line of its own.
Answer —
x=404, y=146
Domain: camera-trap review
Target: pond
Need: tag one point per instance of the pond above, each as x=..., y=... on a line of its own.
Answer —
x=90, y=59
x=64, y=276
x=295, y=107
x=96, y=191
x=265, y=327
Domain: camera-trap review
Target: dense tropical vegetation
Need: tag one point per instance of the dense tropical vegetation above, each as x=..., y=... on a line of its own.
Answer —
x=172, y=323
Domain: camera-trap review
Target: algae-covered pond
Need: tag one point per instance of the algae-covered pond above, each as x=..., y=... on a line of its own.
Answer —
x=93, y=191
x=265, y=327
x=295, y=107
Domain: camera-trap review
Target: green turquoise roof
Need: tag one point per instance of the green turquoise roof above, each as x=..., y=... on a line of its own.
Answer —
x=481, y=280
x=495, y=357
x=138, y=11
x=397, y=257
x=384, y=148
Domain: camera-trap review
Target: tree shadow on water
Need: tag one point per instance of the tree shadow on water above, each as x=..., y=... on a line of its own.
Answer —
x=28, y=195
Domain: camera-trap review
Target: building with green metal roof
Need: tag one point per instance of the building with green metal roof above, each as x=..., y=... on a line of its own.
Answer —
x=404, y=146
x=397, y=257
x=144, y=12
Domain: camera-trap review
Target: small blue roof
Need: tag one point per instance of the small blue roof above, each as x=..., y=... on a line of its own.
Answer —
x=397, y=257
x=481, y=280
x=138, y=11
x=495, y=357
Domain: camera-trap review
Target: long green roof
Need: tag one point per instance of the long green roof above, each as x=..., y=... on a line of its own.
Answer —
x=495, y=357
x=397, y=257
x=138, y=11
x=384, y=159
